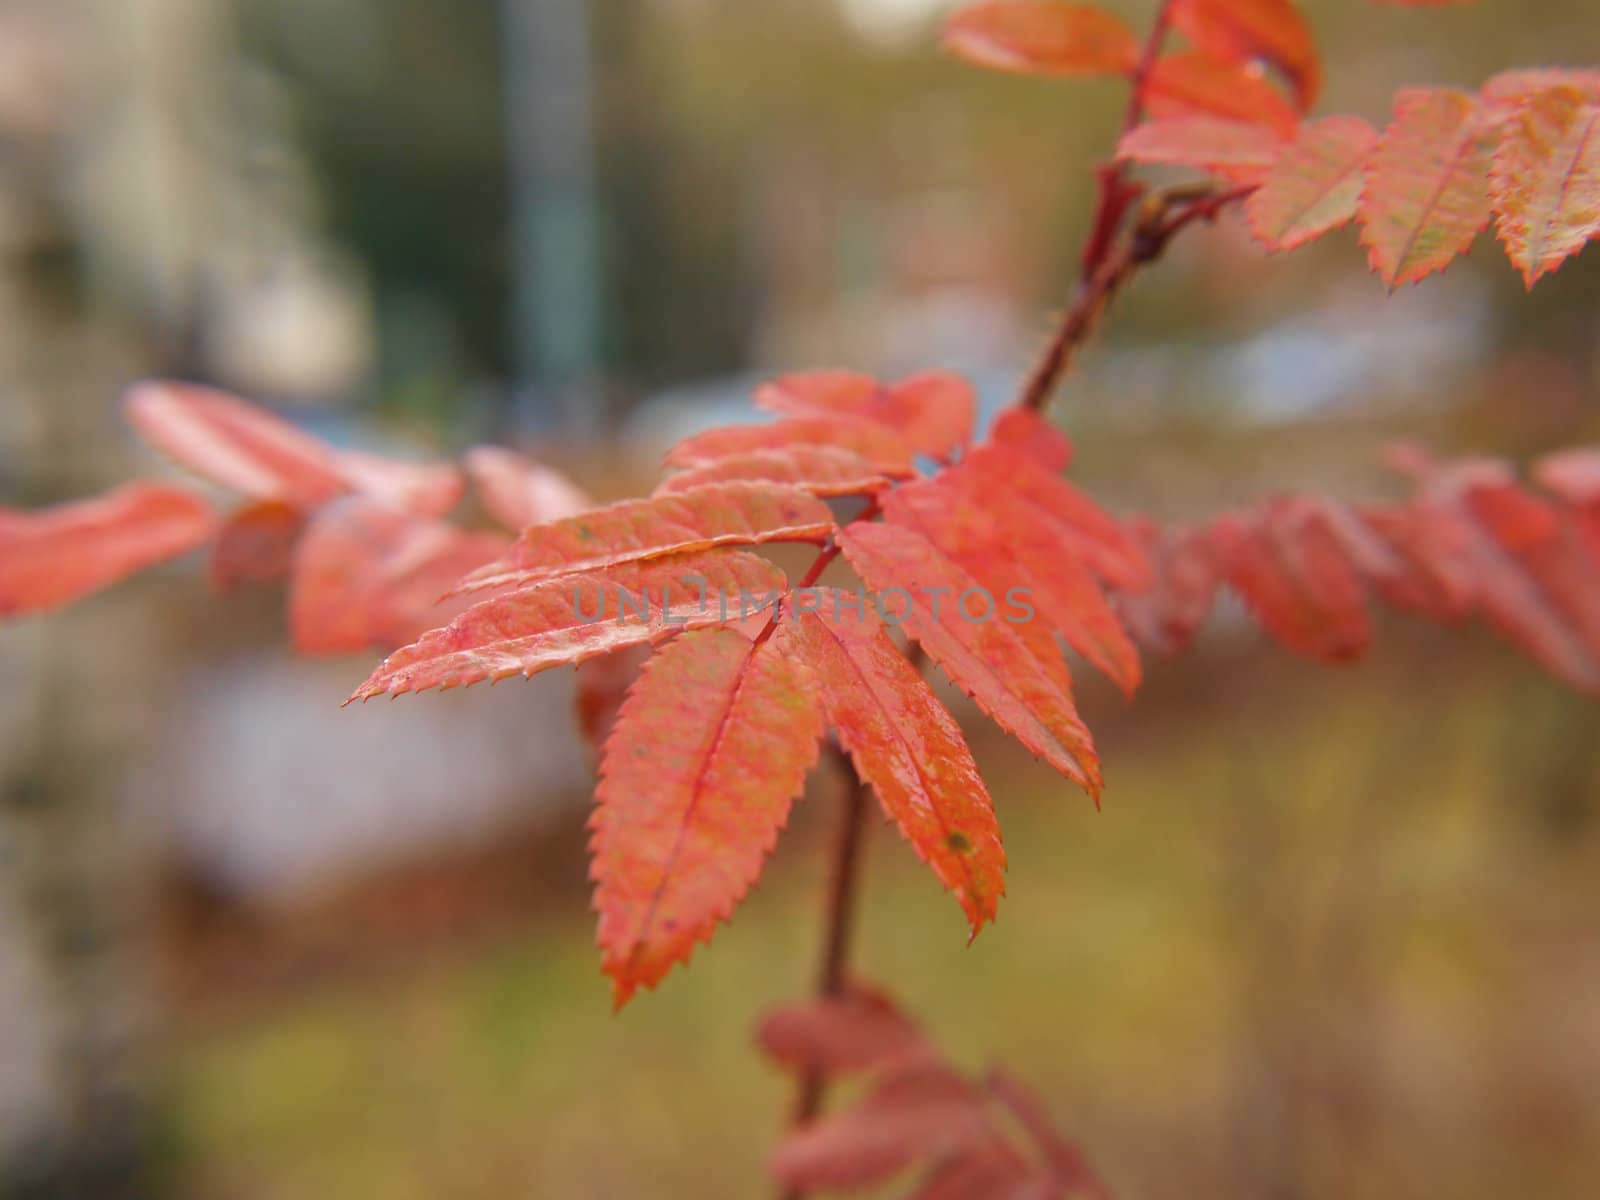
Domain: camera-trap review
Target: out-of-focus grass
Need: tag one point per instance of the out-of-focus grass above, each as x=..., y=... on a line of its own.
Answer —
x=1332, y=935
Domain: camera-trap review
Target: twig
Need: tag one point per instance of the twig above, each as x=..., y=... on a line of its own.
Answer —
x=832, y=979
x=1163, y=216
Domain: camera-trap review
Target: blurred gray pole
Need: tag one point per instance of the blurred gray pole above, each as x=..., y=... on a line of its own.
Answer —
x=550, y=143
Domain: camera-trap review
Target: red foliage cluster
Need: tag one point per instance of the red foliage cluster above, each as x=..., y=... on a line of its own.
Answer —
x=1472, y=541
x=1524, y=150
x=716, y=738
x=361, y=539
x=982, y=556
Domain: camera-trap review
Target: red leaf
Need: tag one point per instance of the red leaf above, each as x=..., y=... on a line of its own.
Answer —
x=1067, y=1163
x=1415, y=556
x=907, y=746
x=972, y=540
x=366, y=575
x=988, y=1169
x=421, y=489
x=724, y=514
x=950, y=512
x=1210, y=143
x=1546, y=180
x=518, y=492
x=889, y=453
x=235, y=444
x=1574, y=475
x=1022, y=494
x=1189, y=84
x=57, y=555
x=988, y=659
x=1251, y=31
x=1288, y=567
x=1511, y=88
x=1315, y=185
x=933, y=412
x=1167, y=615
x=841, y=1035
x=1042, y=38
x=256, y=544
x=1427, y=191
x=712, y=745
x=820, y=470
x=908, y=1117
x=1027, y=433
x=569, y=620
x=1538, y=580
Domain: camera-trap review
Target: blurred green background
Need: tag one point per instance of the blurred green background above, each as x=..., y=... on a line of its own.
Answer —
x=1334, y=933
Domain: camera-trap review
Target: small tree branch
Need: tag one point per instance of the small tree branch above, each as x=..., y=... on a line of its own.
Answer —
x=1163, y=216
x=1104, y=270
x=1154, y=42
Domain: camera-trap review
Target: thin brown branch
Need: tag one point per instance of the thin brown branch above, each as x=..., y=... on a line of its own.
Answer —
x=1105, y=269
x=1154, y=42
x=833, y=971
x=1163, y=216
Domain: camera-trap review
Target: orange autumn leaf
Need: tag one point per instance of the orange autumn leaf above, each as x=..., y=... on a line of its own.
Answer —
x=1250, y=31
x=566, y=621
x=711, y=747
x=906, y=746
x=1039, y=37
x=54, y=556
x=988, y=659
x=722, y=514
x=1427, y=189
x=1314, y=185
x=1545, y=180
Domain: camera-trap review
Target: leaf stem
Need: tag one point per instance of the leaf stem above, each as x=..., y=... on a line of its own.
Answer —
x=1154, y=42
x=839, y=921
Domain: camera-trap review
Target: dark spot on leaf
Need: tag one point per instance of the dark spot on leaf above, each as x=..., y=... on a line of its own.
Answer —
x=959, y=843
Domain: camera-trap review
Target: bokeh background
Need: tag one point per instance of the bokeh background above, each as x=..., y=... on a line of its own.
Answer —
x=1335, y=933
